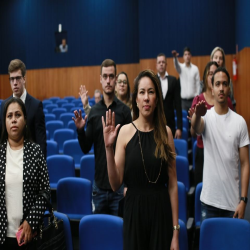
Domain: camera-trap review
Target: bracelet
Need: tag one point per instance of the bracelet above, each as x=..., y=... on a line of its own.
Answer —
x=176, y=227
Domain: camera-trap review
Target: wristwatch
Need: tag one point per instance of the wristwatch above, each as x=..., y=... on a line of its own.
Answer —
x=245, y=199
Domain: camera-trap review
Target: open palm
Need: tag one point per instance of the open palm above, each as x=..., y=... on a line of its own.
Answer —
x=109, y=129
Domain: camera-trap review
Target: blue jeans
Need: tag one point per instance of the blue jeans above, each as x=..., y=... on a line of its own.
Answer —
x=106, y=201
x=212, y=212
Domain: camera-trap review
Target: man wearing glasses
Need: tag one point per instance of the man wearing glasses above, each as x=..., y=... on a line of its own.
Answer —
x=34, y=107
x=104, y=199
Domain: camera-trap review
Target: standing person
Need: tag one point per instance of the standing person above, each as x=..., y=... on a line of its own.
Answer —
x=34, y=107
x=83, y=93
x=24, y=178
x=208, y=98
x=189, y=78
x=226, y=140
x=104, y=199
x=145, y=160
x=123, y=89
x=171, y=96
x=218, y=55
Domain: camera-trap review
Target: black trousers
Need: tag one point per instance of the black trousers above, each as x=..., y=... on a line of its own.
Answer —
x=199, y=162
x=11, y=244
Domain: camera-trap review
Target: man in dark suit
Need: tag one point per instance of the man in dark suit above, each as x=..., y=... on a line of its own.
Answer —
x=34, y=107
x=171, y=96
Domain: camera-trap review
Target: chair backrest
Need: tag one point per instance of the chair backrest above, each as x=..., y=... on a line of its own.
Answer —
x=47, y=135
x=68, y=106
x=50, y=107
x=194, y=153
x=45, y=102
x=182, y=169
x=181, y=147
x=72, y=148
x=74, y=197
x=182, y=199
x=67, y=229
x=58, y=111
x=197, y=206
x=184, y=134
x=51, y=126
x=49, y=117
x=45, y=111
x=109, y=229
x=185, y=123
x=65, y=118
x=77, y=102
x=54, y=99
x=224, y=233
x=87, y=167
x=69, y=98
x=71, y=125
x=52, y=148
x=184, y=113
x=77, y=108
x=183, y=238
x=61, y=102
x=60, y=166
x=62, y=135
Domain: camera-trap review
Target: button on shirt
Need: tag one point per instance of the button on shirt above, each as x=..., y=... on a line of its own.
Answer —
x=94, y=134
x=189, y=79
x=164, y=84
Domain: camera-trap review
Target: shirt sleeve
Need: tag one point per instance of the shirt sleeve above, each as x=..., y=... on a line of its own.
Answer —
x=177, y=65
x=244, y=137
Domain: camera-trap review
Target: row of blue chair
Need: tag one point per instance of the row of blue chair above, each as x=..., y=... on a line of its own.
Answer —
x=62, y=166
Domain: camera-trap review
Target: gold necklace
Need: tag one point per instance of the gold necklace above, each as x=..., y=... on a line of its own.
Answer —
x=154, y=182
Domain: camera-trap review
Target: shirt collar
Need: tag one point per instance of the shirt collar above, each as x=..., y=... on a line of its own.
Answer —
x=115, y=100
x=23, y=96
x=166, y=74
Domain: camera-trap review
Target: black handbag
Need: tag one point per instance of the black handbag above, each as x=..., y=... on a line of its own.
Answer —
x=50, y=235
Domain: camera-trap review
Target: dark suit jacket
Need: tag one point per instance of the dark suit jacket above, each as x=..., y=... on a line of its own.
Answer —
x=35, y=120
x=171, y=101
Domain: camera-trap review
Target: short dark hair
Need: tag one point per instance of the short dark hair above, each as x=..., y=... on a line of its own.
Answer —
x=207, y=68
x=108, y=63
x=161, y=54
x=4, y=134
x=15, y=65
x=186, y=49
x=221, y=69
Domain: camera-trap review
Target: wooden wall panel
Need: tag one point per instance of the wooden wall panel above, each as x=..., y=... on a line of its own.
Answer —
x=241, y=86
x=5, y=89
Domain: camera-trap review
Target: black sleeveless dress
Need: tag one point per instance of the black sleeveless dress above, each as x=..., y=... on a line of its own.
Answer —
x=147, y=210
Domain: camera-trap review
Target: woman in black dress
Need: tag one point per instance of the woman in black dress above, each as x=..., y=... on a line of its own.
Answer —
x=145, y=160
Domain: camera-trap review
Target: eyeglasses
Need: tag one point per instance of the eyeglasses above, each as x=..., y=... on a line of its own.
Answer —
x=111, y=77
x=122, y=81
x=18, y=79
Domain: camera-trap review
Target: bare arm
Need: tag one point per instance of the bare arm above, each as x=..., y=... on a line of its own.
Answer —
x=173, y=193
x=197, y=121
x=115, y=163
x=244, y=162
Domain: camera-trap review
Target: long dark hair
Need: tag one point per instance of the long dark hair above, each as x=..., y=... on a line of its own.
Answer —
x=4, y=133
x=163, y=150
x=205, y=74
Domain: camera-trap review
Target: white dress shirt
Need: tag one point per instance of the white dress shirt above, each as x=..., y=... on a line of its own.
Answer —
x=189, y=79
x=164, y=84
x=23, y=96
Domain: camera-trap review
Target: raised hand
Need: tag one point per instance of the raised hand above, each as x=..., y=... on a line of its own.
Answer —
x=190, y=112
x=174, y=53
x=83, y=93
x=78, y=119
x=200, y=109
x=109, y=129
